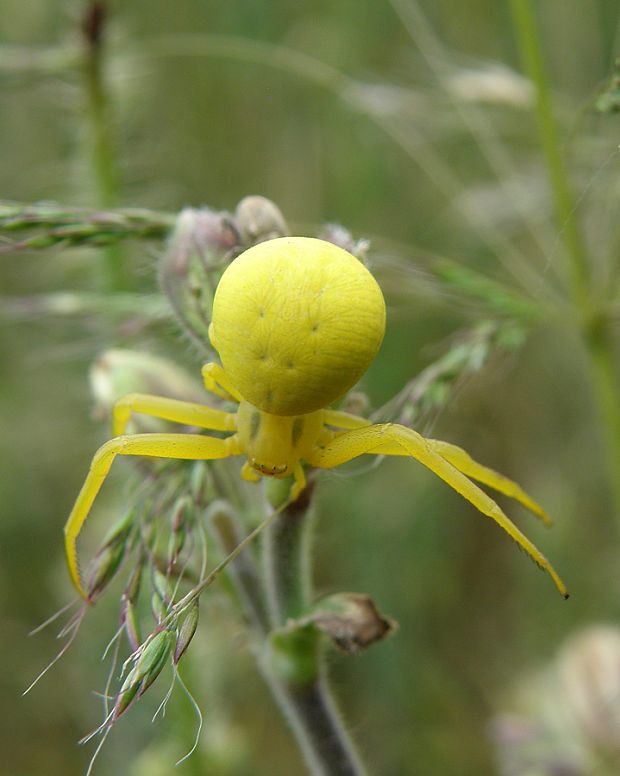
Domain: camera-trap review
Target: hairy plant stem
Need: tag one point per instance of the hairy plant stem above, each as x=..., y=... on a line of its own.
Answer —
x=594, y=324
x=317, y=726
x=286, y=558
x=291, y=655
x=293, y=662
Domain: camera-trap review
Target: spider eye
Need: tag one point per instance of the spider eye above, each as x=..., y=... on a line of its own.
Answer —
x=269, y=470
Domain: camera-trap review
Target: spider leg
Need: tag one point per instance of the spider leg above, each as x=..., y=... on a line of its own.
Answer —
x=300, y=481
x=185, y=412
x=386, y=438
x=216, y=381
x=249, y=474
x=340, y=419
x=466, y=464
x=185, y=446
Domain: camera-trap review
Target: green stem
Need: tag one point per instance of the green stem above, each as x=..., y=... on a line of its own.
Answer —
x=99, y=139
x=601, y=348
x=316, y=723
x=293, y=663
x=286, y=553
x=594, y=325
x=531, y=53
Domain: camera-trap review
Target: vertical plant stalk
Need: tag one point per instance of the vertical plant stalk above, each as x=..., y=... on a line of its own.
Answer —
x=291, y=659
x=601, y=351
x=293, y=662
x=286, y=558
x=316, y=724
x=594, y=325
x=99, y=138
x=532, y=56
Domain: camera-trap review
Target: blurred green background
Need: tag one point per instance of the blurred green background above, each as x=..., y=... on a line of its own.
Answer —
x=417, y=132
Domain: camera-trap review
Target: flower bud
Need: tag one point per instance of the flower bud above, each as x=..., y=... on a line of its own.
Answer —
x=151, y=654
x=495, y=84
x=132, y=589
x=126, y=696
x=589, y=672
x=180, y=521
x=117, y=372
x=351, y=620
x=258, y=219
x=158, y=665
x=151, y=660
x=103, y=567
x=338, y=235
x=565, y=716
x=108, y=557
x=355, y=403
x=200, y=245
x=130, y=620
x=161, y=586
x=186, y=631
x=208, y=234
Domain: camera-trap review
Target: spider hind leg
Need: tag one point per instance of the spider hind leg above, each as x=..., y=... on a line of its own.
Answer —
x=454, y=468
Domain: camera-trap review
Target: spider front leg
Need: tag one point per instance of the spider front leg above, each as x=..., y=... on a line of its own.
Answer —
x=466, y=464
x=393, y=439
x=460, y=459
x=181, y=446
x=216, y=381
x=175, y=410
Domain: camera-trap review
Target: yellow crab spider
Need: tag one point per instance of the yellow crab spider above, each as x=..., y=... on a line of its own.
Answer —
x=296, y=322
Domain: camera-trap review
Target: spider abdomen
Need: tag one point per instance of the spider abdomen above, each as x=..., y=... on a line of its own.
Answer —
x=296, y=321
